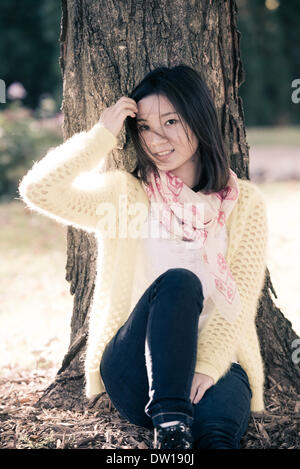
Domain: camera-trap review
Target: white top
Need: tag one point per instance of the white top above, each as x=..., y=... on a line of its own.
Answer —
x=156, y=255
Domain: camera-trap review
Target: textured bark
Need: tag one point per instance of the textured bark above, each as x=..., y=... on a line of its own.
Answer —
x=106, y=49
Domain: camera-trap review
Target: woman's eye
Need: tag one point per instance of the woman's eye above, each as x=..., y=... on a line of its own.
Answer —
x=173, y=121
x=142, y=127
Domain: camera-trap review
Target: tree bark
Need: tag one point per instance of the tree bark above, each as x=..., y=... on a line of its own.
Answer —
x=106, y=49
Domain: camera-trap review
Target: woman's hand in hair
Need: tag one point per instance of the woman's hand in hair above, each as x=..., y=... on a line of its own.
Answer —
x=201, y=383
x=113, y=117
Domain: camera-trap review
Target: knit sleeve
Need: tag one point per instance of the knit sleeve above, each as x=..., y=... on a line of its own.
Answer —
x=48, y=187
x=219, y=339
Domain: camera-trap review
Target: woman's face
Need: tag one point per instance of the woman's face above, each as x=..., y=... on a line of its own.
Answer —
x=164, y=138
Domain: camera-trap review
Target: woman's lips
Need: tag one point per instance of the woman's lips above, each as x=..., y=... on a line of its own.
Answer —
x=164, y=155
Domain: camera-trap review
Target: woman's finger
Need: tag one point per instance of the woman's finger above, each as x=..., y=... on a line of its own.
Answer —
x=199, y=394
x=127, y=99
x=193, y=393
x=194, y=387
x=131, y=110
x=126, y=102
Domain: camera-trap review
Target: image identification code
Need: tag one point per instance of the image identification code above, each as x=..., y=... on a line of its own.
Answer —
x=152, y=458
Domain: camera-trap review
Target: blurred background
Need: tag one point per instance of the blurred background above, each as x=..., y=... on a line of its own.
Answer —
x=35, y=303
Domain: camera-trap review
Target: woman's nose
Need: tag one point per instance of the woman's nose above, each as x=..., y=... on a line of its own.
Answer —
x=157, y=137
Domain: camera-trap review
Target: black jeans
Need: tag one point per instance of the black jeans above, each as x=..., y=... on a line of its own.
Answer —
x=148, y=367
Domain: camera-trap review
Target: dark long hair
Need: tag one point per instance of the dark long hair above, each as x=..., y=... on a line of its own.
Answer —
x=187, y=92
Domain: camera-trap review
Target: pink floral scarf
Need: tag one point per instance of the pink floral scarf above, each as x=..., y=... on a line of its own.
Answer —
x=198, y=217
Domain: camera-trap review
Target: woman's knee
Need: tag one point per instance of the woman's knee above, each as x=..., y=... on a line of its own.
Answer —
x=181, y=277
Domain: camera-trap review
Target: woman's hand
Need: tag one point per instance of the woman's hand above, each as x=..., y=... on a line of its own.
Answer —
x=113, y=117
x=200, y=384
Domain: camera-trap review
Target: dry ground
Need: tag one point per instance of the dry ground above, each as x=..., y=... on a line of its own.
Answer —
x=23, y=426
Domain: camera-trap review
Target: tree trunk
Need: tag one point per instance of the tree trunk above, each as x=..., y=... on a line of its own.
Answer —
x=106, y=49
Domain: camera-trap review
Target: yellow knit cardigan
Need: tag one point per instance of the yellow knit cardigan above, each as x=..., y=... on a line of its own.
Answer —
x=48, y=189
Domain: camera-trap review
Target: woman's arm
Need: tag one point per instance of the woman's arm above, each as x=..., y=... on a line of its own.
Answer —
x=47, y=187
x=219, y=339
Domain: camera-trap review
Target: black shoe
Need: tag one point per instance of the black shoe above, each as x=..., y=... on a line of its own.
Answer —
x=173, y=437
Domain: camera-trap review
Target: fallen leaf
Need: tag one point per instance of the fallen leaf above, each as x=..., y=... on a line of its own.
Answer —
x=263, y=432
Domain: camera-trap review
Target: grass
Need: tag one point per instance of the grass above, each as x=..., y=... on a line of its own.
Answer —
x=277, y=136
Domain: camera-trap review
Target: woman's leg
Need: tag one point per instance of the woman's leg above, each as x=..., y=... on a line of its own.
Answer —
x=222, y=415
x=153, y=354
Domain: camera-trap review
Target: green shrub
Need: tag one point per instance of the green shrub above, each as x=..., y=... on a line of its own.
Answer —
x=23, y=140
